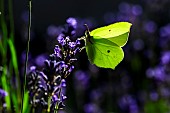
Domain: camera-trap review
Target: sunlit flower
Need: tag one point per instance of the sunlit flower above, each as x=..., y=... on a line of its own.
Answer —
x=50, y=83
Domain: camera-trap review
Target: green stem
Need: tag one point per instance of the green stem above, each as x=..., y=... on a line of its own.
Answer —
x=4, y=32
x=33, y=111
x=11, y=20
x=27, y=52
x=49, y=103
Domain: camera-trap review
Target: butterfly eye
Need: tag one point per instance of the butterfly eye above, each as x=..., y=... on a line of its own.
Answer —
x=108, y=51
x=109, y=30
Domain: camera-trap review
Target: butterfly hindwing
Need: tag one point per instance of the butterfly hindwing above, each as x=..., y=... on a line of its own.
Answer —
x=104, y=53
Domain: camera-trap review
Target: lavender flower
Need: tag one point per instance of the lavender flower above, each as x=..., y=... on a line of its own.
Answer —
x=92, y=108
x=49, y=84
x=157, y=73
x=81, y=80
x=150, y=26
x=128, y=103
x=138, y=44
x=3, y=94
x=137, y=10
x=165, y=58
x=154, y=96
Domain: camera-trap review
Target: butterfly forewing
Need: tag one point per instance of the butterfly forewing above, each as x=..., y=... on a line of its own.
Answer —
x=117, y=33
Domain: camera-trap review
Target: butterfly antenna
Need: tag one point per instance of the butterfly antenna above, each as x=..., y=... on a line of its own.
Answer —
x=88, y=31
x=87, y=27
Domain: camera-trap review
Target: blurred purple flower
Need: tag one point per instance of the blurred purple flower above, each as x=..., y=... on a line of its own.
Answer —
x=92, y=108
x=138, y=44
x=3, y=93
x=133, y=108
x=82, y=79
x=23, y=54
x=150, y=26
x=127, y=102
x=62, y=111
x=165, y=92
x=156, y=73
x=93, y=69
x=72, y=21
x=124, y=7
x=165, y=58
x=39, y=59
x=54, y=31
x=122, y=17
x=137, y=10
x=165, y=31
x=154, y=96
x=96, y=95
x=24, y=16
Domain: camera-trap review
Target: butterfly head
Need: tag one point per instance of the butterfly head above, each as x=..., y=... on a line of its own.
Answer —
x=87, y=32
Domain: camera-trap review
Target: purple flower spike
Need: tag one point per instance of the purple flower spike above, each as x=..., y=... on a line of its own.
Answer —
x=57, y=51
x=72, y=45
x=55, y=98
x=63, y=83
x=76, y=50
x=72, y=22
x=33, y=68
x=51, y=81
x=3, y=93
x=77, y=42
x=61, y=39
x=64, y=97
x=165, y=59
x=71, y=68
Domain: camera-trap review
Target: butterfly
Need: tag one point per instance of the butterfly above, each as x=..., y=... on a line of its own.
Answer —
x=104, y=45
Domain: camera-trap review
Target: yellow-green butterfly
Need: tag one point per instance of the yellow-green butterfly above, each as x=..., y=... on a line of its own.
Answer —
x=103, y=45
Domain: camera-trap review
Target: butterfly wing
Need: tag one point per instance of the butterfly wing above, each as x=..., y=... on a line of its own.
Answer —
x=117, y=33
x=104, y=53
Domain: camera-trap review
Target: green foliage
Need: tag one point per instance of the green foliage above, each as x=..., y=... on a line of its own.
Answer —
x=6, y=87
x=26, y=105
x=9, y=63
x=159, y=106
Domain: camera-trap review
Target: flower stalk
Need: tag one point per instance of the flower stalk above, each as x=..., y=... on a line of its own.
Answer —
x=47, y=87
x=27, y=52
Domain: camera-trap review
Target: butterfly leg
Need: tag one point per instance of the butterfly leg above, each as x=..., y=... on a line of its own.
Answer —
x=82, y=38
x=82, y=48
